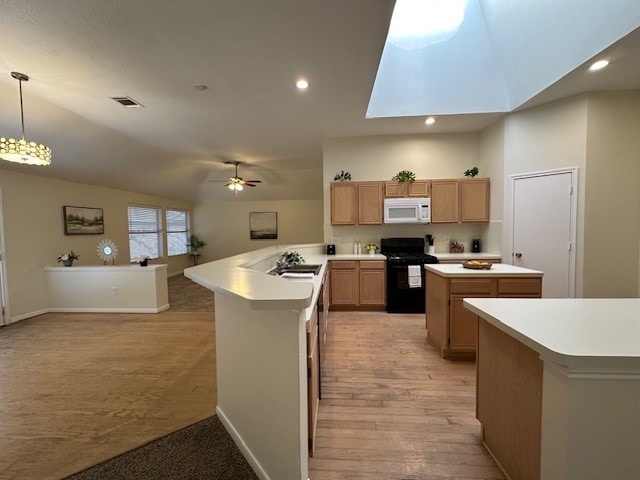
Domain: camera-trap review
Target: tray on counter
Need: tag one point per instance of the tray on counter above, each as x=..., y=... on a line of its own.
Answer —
x=476, y=265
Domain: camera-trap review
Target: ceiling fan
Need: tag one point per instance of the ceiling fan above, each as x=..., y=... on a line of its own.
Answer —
x=237, y=183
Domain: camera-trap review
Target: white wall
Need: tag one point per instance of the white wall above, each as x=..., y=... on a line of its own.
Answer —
x=543, y=138
x=34, y=234
x=612, y=203
x=380, y=158
x=492, y=144
x=225, y=225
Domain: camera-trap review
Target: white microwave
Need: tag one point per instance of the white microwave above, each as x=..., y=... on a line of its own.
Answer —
x=407, y=210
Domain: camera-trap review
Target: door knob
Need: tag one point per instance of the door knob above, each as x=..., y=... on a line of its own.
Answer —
x=518, y=255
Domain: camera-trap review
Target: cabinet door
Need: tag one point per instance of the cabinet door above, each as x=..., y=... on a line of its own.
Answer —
x=419, y=188
x=344, y=287
x=344, y=203
x=463, y=325
x=370, y=203
x=474, y=200
x=445, y=206
x=372, y=286
x=394, y=189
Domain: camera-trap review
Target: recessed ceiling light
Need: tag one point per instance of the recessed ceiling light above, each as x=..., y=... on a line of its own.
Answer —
x=430, y=120
x=302, y=84
x=599, y=65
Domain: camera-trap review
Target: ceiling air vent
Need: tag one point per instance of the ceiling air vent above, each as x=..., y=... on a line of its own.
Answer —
x=128, y=102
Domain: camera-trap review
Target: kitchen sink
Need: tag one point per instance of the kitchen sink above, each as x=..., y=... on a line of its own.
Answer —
x=303, y=268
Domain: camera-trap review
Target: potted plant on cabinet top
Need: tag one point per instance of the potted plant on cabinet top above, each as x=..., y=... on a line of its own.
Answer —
x=68, y=258
x=404, y=176
x=143, y=260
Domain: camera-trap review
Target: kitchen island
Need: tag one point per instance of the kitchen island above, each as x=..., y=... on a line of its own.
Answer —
x=451, y=328
x=263, y=323
x=558, y=385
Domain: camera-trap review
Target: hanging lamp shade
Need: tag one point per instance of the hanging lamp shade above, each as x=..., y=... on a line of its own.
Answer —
x=21, y=150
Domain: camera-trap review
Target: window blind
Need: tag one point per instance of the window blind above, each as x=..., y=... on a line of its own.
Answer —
x=177, y=231
x=145, y=232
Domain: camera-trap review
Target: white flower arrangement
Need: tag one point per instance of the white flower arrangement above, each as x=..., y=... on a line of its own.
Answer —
x=141, y=258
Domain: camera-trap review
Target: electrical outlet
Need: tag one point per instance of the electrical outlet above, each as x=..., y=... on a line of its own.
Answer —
x=349, y=239
x=115, y=290
x=446, y=239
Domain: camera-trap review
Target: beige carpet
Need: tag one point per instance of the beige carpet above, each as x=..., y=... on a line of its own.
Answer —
x=187, y=296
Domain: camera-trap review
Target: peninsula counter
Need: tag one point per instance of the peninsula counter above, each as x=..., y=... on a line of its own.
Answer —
x=558, y=386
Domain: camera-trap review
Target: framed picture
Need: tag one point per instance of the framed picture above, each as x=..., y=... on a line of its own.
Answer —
x=82, y=220
x=263, y=225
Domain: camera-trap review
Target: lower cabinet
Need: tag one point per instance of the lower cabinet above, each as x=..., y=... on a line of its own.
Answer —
x=452, y=329
x=313, y=379
x=358, y=284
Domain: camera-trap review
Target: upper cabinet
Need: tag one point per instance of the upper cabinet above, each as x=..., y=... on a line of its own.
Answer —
x=370, y=203
x=356, y=203
x=460, y=200
x=445, y=201
x=344, y=203
x=474, y=200
x=417, y=188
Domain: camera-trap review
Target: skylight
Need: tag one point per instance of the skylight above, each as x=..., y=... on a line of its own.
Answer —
x=448, y=57
x=419, y=23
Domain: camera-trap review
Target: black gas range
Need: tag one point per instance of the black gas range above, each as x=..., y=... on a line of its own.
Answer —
x=405, y=274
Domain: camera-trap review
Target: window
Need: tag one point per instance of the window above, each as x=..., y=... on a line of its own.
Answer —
x=177, y=232
x=145, y=232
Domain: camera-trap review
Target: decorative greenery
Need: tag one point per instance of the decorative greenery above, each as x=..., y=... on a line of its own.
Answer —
x=141, y=258
x=371, y=246
x=68, y=256
x=472, y=172
x=289, y=259
x=195, y=243
x=342, y=176
x=404, y=176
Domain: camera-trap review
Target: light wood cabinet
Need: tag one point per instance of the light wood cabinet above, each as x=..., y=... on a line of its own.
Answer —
x=358, y=285
x=344, y=203
x=460, y=200
x=452, y=329
x=344, y=282
x=417, y=188
x=370, y=199
x=313, y=379
x=356, y=203
x=474, y=200
x=445, y=197
x=373, y=282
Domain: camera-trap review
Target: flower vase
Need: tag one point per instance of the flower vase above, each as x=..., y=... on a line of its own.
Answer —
x=143, y=263
x=68, y=263
x=372, y=252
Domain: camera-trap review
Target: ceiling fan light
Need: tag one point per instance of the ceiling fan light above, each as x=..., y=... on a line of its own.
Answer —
x=239, y=187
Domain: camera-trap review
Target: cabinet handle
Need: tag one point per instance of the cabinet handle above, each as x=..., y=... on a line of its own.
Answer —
x=518, y=255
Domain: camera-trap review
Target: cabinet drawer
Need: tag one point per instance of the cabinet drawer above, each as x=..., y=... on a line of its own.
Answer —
x=471, y=286
x=531, y=286
x=343, y=264
x=372, y=264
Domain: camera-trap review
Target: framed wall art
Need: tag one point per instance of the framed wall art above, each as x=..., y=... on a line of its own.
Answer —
x=263, y=225
x=82, y=220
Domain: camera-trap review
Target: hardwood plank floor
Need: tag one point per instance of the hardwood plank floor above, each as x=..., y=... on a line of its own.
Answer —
x=393, y=409
x=76, y=389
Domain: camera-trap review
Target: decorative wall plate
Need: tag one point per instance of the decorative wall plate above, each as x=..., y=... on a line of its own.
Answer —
x=107, y=251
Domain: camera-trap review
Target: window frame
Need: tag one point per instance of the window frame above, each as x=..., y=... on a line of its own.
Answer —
x=187, y=230
x=159, y=232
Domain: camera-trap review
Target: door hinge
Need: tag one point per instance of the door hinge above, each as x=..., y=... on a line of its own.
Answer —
x=570, y=246
x=570, y=189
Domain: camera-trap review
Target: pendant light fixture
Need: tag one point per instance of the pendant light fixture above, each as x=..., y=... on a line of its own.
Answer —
x=22, y=151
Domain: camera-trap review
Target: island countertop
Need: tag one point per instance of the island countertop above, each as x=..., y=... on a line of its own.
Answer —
x=496, y=270
x=571, y=332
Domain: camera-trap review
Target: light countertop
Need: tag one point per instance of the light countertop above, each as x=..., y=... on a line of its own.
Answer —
x=576, y=333
x=467, y=256
x=496, y=270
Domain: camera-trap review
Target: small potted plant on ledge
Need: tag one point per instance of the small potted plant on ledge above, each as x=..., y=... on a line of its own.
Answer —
x=143, y=260
x=404, y=176
x=195, y=244
x=68, y=258
x=371, y=248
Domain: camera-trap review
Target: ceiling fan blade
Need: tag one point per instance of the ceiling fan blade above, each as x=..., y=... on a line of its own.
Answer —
x=249, y=185
x=254, y=181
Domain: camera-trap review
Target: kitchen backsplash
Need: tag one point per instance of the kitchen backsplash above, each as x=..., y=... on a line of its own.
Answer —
x=489, y=235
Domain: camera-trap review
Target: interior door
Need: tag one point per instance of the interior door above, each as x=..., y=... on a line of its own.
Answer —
x=544, y=228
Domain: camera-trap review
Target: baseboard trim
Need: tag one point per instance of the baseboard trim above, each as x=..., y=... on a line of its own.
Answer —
x=108, y=310
x=246, y=452
x=24, y=316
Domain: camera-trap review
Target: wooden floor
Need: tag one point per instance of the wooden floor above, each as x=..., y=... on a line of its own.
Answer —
x=392, y=409
x=76, y=389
